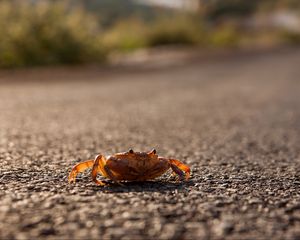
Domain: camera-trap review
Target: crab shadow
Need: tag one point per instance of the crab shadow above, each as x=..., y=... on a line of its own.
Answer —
x=146, y=186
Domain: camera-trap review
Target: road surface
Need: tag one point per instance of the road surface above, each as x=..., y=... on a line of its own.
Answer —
x=235, y=120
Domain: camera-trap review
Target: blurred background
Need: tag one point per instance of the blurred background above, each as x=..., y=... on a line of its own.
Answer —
x=44, y=32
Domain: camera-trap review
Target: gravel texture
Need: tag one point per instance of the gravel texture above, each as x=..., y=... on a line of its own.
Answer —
x=235, y=120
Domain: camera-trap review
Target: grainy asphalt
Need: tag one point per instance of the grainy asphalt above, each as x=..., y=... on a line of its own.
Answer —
x=235, y=121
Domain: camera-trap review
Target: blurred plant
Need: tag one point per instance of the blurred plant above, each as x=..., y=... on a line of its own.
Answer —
x=47, y=34
x=135, y=33
x=290, y=37
x=225, y=35
x=183, y=30
x=216, y=9
x=126, y=35
x=79, y=31
x=230, y=8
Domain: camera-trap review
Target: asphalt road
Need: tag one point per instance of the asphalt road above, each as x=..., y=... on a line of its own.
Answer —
x=235, y=120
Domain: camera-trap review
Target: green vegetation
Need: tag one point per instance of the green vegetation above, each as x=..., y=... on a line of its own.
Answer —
x=87, y=31
x=126, y=35
x=186, y=30
x=170, y=30
x=134, y=33
x=224, y=36
x=233, y=9
x=290, y=37
x=47, y=34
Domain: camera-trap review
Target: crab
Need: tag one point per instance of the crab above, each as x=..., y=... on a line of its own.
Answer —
x=131, y=166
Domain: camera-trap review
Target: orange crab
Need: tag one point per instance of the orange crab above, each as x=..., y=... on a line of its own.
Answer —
x=131, y=166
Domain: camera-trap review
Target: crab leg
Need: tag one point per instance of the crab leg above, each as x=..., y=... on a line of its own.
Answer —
x=80, y=167
x=180, y=169
x=98, y=167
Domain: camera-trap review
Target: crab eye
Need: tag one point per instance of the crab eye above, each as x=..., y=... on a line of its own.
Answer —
x=153, y=151
x=131, y=151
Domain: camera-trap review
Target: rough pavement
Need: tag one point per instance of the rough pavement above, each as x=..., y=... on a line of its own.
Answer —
x=235, y=121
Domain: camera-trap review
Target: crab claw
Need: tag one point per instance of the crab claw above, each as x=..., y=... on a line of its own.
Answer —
x=80, y=167
x=182, y=170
